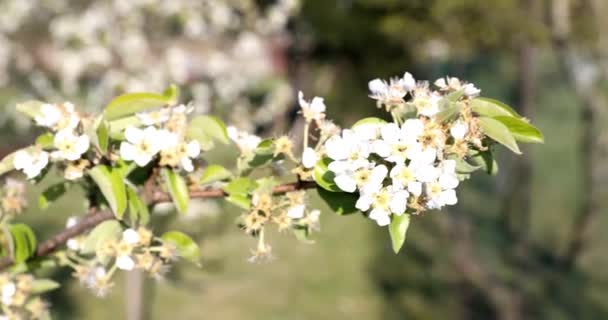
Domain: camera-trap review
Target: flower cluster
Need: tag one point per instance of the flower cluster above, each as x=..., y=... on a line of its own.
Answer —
x=134, y=249
x=164, y=134
x=409, y=165
x=69, y=142
x=19, y=299
x=12, y=197
x=286, y=212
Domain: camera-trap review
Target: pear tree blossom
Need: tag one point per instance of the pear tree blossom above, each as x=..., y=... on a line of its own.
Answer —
x=157, y=155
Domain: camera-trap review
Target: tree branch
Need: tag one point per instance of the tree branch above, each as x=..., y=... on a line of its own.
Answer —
x=95, y=217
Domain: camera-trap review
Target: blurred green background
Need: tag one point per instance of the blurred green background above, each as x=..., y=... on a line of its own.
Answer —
x=527, y=244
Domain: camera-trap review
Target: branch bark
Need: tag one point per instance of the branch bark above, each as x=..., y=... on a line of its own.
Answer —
x=95, y=216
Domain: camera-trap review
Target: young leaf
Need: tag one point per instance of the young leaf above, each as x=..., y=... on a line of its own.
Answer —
x=131, y=103
x=492, y=108
x=370, y=120
x=138, y=211
x=214, y=173
x=398, y=229
x=46, y=141
x=452, y=111
x=499, y=133
x=522, y=130
x=323, y=177
x=341, y=203
x=206, y=129
x=43, y=285
x=240, y=186
x=103, y=135
x=112, y=186
x=30, y=108
x=103, y=232
x=486, y=161
x=177, y=188
x=23, y=242
x=186, y=247
x=51, y=194
x=116, y=128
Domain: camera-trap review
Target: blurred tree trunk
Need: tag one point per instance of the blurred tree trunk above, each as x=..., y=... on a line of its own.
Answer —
x=588, y=75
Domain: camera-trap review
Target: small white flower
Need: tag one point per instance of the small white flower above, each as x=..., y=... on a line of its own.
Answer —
x=8, y=291
x=125, y=262
x=313, y=110
x=296, y=212
x=142, y=145
x=49, y=117
x=459, y=129
x=31, y=162
x=381, y=217
x=408, y=81
x=427, y=104
x=441, y=83
x=245, y=142
x=398, y=144
x=70, y=146
x=72, y=221
x=130, y=236
x=309, y=158
x=404, y=177
x=73, y=244
x=441, y=192
x=377, y=87
x=470, y=90
x=154, y=117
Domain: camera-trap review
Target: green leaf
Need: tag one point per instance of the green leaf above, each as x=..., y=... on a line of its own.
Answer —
x=486, y=161
x=103, y=232
x=43, y=285
x=214, y=173
x=238, y=191
x=499, y=133
x=23, y=242
x=398, y=229
x=30, y=108
x=116, y=128
x=240, y=200
x=186, y=247
x=46, y=141
x=492, y=108
x=103, y=135
x=370, y=120
x=131, y=103
x=452, y=111
x=240, y=185
x=464, y=167
x=172, y=94
x=206, y=129
x=521, y=130
x=341, y=203
x=112, y=186
x=138, y=211
x=177, y=188
x=454, y=96
x=51, y=194
x=323, y=177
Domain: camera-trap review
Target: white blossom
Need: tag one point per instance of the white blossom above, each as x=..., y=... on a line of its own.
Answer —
x=309, y=158
x=459, y=129
x=245, y=142
x=313, y=110
x=470, y=90
x=125, y=262
x=408, y=82
x=296, y=212
x=50, y=115
x=31, y=162
x=70, y=146
x=142, y=145
x=130, y=236
x=8, y=291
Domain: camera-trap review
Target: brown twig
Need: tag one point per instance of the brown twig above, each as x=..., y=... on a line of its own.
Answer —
x=95, y=217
